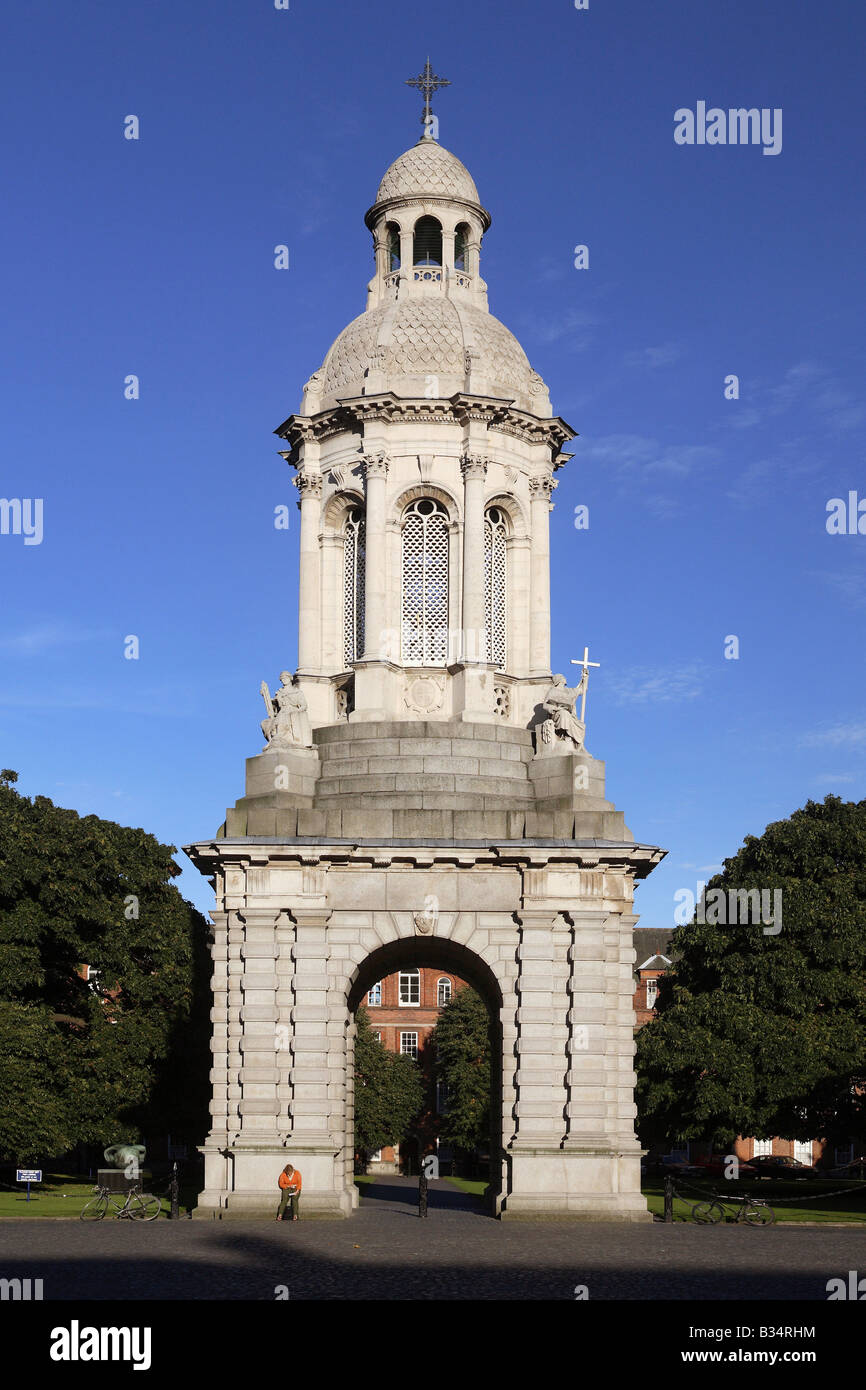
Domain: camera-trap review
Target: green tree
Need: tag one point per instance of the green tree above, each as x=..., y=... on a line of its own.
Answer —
x=389, y=1091
x=763, y=1032
x=103, y=1060
x=462, y=1042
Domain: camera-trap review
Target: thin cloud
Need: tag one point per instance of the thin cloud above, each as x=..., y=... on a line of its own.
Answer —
x=851, y=735
x=576, y=326
x=639, y=454
x=47, y=636
x=851, y=588
x=647, y=685
x=806, y=384
x=653, y=357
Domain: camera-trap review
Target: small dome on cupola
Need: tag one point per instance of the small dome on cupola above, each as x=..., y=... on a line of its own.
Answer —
x=428, y=170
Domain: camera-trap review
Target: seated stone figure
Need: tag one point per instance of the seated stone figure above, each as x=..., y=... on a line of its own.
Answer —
x=288, y=723
x=563, y=726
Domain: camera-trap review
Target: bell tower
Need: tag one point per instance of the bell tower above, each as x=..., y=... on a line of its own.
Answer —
x=424, y=455
x=425, y=795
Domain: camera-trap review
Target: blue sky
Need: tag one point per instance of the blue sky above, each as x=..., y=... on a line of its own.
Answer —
x=707, y=516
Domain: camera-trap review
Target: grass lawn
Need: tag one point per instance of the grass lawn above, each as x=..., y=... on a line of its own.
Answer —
x=60, y=1195
x=475, y=1187
x=848, y=1205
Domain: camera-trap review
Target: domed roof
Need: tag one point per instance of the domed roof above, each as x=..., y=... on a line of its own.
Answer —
x=412, y=341
x=428, y=170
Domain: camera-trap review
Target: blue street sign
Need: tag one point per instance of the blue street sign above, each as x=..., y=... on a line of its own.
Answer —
x=28, y=1175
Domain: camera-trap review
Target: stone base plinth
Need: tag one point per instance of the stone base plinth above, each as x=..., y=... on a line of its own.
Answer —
x=254, y=1176
x=559, y=1184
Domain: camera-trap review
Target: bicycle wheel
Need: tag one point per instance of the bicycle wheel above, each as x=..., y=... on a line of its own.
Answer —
x=708, y=1213
x=95, y=1208
x=144, y=1207
x=758, y=1214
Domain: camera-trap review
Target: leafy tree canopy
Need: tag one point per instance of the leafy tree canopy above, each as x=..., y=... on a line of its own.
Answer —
x=762, y=1032
x=389, y=1090
x=462, y=1040
x=89, y=1064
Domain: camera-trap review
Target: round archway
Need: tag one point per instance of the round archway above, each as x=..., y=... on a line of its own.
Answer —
x=421, y=974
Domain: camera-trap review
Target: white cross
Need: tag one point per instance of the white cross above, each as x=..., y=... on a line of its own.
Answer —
x=585, y=663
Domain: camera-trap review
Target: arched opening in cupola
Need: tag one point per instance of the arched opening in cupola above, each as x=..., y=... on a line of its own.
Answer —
x=392, y=232
x=461, y=245
x=427, y=242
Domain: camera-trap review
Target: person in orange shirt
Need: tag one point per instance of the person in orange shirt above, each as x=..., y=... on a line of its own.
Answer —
x=290, y=1187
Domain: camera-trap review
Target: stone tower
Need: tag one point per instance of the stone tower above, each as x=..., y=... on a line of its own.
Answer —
x=424, y=796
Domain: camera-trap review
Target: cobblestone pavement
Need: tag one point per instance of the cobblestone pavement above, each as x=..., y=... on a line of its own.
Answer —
x=386, y=1252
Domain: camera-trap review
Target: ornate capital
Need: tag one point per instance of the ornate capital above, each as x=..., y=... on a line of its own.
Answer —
x=542, y=488
x=376, y=465
x=474, y=465
x=308, y=484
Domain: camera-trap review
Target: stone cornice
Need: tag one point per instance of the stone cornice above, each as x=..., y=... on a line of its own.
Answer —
x=350, y=416
x=207, y=855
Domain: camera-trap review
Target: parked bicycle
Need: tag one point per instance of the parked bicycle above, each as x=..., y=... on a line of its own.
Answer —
x=752, y=1210
x=134, y=1205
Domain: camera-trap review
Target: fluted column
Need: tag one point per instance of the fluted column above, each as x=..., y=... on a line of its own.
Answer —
x=376, y=474
x=540, y=489
x=309, y=485
x=474, y=467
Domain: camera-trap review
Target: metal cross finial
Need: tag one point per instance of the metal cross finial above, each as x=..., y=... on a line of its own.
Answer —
x=585, y=663
x=427, y=83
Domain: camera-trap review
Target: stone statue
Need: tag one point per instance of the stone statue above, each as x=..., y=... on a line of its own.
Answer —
x=563, y=726
x=288, y=723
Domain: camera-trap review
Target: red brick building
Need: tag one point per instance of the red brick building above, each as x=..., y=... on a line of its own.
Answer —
x=655, y=949
x=403, y=1010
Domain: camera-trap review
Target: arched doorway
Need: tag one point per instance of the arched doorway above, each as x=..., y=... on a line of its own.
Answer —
x=447, y=959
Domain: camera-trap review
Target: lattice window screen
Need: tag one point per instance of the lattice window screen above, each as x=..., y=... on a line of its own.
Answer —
x=425, y=584
x=354, y=556
x=495, y=586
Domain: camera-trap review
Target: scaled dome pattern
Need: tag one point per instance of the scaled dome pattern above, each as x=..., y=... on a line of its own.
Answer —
x=425, y=337
x=428, y=169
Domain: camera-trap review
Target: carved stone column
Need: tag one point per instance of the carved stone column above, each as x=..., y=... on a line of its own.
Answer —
x=540, y=490
x=309, y=485
x=588, y=1040
x=376, y=473
x=310, y=1014
x=474, y=468
x=541, y=1018
x=217, y=1167
x=258, y=1105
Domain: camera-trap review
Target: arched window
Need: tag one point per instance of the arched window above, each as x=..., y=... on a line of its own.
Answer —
x=427, y=242
x=461, y=242
x=495, y=585
x=424, y=625
x=443, y=992
x=393, y=232
x=353, y=586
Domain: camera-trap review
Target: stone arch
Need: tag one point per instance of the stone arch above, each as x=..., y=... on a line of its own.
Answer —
x=441, y=953
x=336, y=507
x=438, y=491
x=427, y=241
x=518, y=525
